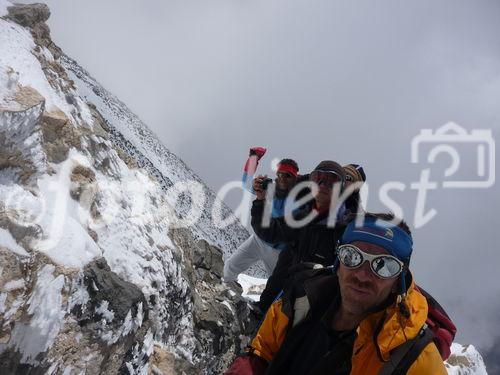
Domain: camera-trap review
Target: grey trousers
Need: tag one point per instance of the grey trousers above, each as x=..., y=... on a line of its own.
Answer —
x=247, y=254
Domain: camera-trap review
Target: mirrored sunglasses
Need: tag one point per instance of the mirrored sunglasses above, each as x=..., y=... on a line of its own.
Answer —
x=384, y=266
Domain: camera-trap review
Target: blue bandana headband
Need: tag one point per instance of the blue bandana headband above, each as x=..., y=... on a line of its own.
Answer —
x=381, y=233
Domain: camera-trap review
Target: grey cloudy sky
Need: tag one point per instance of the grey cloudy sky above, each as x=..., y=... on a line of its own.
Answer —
x=344, y=80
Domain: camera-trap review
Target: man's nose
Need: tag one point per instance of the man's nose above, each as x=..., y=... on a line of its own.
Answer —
x=324, y=185
x=364, y=273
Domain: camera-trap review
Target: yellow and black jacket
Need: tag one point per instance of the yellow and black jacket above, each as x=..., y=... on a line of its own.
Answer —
x=295, y=337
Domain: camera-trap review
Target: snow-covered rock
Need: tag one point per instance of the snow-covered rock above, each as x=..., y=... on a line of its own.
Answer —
x=465, y=360
x=252, y=286
x=101, y=271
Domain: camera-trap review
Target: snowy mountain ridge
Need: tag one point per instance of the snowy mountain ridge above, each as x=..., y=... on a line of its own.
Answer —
x=132, y=135
x=98, y=274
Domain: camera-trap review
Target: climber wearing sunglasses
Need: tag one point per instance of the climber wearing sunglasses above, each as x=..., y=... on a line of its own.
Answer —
x=326, y=178
x=362, y=316
x=312, y=242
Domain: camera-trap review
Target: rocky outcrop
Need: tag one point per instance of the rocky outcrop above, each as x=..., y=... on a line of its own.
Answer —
x=220, y=314
x=29, y=15
x=96, y=275
x=163, y=362
x=12, y=158
x=59, y=136
x=33, y=17
x=90, y=321
x=20, y=133
x=110, y=297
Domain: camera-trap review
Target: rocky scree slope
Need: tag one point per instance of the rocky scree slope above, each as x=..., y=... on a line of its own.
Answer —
x=97, y=273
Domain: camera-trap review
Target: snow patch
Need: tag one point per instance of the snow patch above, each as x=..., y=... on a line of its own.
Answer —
x=7, y=241
x=18, y=302
x=45, y=306
x=140, y=316
x=13, y=285
x=252, y=286
x=105, y=312
x=79, y=296
x=47, y=54
x=24, y=203
x=20, y=67
x=140, y=353
x=3, y=298
x=67, y=242
x=4, y=4
x=17, y=44
x=228, y=305
x=129, y=325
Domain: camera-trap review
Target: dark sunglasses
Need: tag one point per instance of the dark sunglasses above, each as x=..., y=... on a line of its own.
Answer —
x=284, y=175
x=384, y=266
x=328, y=178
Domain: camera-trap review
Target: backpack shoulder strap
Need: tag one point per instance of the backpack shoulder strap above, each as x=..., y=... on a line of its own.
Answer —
x=404, y=355
x=300, y=274
x=441, y=325
x=301, y=308
x=307, y=285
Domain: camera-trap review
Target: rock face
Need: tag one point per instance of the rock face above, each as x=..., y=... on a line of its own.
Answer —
x=29, y=15
x=99, y=274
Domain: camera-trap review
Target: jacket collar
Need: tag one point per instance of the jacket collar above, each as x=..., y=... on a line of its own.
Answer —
x=389, y=329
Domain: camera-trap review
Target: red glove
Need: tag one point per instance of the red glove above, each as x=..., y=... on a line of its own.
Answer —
x=256, y=153
x=248, y=364
x=259, y=151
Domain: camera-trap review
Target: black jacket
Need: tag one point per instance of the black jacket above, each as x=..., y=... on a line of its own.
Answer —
x=314, y=242
x=312, y=347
